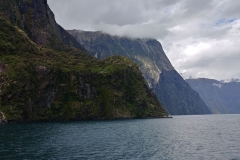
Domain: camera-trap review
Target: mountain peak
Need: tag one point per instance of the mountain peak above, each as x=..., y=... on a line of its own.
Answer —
x=38, y=21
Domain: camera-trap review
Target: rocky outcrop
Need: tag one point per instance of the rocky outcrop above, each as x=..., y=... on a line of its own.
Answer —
x=37, y=20
x=2, y=118
x=222, y=98
x=171, y=89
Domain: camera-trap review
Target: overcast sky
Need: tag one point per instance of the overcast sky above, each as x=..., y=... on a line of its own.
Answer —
x=200, y=37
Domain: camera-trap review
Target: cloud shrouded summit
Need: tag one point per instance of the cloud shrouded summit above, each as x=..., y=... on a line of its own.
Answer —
x=201, y=38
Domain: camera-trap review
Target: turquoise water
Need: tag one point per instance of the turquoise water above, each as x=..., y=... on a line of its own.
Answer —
x=182, y=137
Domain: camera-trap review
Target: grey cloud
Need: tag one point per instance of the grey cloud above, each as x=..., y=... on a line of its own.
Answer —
x=230, y=9
x=196, y=8
x=120, y=14
x=213, y=63
x=175, y=23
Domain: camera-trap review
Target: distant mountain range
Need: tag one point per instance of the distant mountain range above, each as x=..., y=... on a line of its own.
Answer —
x=172, y=91
x=221, y=96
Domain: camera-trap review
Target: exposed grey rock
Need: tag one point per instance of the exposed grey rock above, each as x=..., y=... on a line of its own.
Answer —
x=172, y=91
x=3, y=119
x=43, y=29
x=148, y=53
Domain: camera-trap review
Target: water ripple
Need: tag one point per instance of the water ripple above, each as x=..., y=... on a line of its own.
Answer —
x=182, y=137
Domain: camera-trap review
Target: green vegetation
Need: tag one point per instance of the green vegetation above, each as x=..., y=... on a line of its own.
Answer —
x=45, y=84
x=171, y=89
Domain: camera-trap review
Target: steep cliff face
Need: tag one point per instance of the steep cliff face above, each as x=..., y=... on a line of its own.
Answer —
x=172, y=91
x=37, y=20
x=171, y=85
x=220, y=97
x=62, y=82
x=147, y=53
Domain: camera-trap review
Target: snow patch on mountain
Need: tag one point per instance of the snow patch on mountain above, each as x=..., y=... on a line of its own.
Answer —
x=230, y=80
x=217, y=85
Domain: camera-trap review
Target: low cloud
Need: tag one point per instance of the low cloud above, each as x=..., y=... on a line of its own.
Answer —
x=201, y=38
x=133, y=31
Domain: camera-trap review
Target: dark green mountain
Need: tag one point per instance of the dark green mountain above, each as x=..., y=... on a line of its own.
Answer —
x=220, y=97
x=172, y=91
x=42, y=78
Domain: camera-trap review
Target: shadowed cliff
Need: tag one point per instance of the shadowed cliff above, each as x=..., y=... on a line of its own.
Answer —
x=172, y=91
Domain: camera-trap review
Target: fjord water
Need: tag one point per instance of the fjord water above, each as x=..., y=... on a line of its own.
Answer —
x=181, y=137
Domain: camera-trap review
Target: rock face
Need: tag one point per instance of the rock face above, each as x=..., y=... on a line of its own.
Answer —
x=2, y=118
x=147, y=53
x=172, y=91
x=37, y=20
x=45, y=80
x=220, y=97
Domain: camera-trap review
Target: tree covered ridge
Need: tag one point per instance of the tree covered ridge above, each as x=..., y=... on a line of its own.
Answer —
x=65, y=83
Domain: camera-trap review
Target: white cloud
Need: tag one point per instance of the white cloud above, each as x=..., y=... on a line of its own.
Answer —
x=201, y=38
